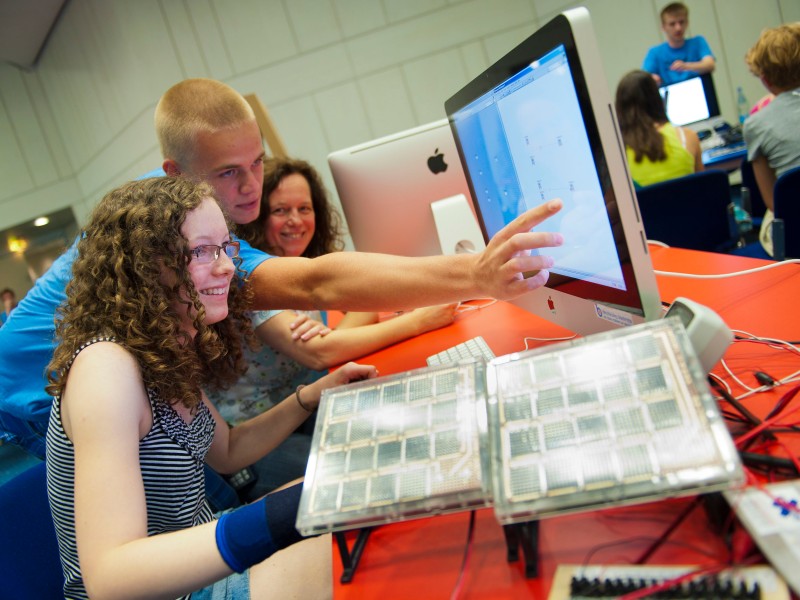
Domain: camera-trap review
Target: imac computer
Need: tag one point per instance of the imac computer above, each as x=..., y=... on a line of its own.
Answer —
x=406, y=194
x=691, y=101
x=540, y=124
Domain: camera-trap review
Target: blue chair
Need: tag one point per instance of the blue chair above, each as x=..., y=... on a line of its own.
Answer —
x=786, y=226
x=30, y=566
x=690, y=212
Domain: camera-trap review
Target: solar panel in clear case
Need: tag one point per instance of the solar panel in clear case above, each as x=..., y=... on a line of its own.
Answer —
x=397, y=447
x=616, y=417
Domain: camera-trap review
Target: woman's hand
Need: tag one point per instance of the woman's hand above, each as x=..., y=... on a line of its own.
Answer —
x=304, y=328
x=429, y=318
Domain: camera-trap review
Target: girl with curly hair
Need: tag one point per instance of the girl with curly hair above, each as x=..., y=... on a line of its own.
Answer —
x=298, y=220
x=154, y=314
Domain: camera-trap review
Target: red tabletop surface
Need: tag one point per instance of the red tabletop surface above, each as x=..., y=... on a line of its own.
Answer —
x=422, y=558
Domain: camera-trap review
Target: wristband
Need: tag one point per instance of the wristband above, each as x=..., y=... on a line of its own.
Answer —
x=243, y=537
x=300, y=402
x=248, y=535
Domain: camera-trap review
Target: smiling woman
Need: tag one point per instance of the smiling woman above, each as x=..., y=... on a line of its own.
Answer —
x=297, y=218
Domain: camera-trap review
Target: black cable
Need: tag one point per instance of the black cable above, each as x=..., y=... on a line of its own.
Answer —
x=645, y=556
x=754, y=420
x=465, y=559
x=744, y=338
x=769, y=462
x=765, y=379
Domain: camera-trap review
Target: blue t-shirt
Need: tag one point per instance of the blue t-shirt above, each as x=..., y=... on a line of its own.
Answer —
x=660, y=57
x=27, y=342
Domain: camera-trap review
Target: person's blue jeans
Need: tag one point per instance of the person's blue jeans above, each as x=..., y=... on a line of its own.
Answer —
x=219, y=493
x=28, y=435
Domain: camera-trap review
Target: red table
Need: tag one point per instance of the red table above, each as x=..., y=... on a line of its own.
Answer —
x=422, y=558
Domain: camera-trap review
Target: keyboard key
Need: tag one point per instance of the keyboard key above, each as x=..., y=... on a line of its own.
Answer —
x=472, y=348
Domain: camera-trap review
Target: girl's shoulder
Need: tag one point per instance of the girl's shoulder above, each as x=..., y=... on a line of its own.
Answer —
x=103, y=358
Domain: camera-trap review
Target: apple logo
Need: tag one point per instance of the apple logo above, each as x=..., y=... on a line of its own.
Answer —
x=551, y=305
x=436, y=163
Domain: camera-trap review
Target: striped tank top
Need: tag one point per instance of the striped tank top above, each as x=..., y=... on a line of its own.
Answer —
x=171, y=456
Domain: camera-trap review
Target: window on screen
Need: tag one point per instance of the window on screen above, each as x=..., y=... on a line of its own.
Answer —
x=529, y=145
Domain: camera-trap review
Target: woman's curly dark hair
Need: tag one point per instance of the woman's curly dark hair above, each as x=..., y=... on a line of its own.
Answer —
x=132, y=238
x=327, y=222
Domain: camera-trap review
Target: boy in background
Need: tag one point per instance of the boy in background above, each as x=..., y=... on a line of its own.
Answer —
x=679, y=58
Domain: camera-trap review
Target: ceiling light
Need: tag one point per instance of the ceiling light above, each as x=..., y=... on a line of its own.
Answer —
x=17, y=245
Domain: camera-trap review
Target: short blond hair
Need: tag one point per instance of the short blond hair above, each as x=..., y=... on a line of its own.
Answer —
x=775, y=57
x=195, y=105
x=674, y=9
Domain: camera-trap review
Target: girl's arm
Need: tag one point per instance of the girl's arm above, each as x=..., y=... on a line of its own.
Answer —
x=341, y=345
x=765, y=178
x=694, y=148
x=237, y=447
x=357, y=319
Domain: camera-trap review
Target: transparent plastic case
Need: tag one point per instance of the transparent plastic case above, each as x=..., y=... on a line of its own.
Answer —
x=398, y=447
x=612, y=418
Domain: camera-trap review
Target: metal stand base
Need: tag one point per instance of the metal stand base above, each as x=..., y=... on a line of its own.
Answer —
x=350, y=558
x=525, y=535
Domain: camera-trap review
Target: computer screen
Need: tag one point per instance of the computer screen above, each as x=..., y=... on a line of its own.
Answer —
x=691, y=100
x=540, y=124
x=386, y=188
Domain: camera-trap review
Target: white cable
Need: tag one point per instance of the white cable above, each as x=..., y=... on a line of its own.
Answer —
x=734, y=377
x=722, y=382
x=771, y=343
x=462, y=308
x=558, y=339
x=733, y=274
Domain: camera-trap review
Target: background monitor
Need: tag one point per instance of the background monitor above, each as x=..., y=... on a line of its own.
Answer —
x=387, y=186
x=691, y=100
x=540, y=124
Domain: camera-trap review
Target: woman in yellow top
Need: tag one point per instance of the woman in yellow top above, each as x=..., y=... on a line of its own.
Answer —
x=657, y=150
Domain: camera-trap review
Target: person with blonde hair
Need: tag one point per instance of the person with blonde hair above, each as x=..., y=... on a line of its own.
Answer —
x=771, y=134
x=155, y=312
x=680, y=57
x=656, y=149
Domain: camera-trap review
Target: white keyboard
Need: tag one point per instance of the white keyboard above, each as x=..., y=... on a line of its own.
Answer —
x=474, y=348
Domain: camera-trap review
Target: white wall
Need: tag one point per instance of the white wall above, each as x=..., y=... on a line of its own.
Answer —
x=331, y=72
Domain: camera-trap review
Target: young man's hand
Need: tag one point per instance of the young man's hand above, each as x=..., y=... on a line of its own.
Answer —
x=500, y=270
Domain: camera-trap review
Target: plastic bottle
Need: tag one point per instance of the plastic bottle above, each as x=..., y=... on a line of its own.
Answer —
x=741, y=104
x=741, y=211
